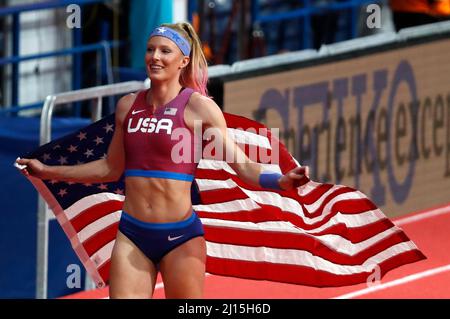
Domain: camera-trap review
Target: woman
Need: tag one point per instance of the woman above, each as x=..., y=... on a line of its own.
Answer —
x=158, y=230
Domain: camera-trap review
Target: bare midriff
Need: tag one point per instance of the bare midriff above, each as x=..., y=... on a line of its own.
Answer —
x=157, y=200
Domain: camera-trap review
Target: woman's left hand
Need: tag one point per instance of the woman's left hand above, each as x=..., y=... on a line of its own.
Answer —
x=292, y=178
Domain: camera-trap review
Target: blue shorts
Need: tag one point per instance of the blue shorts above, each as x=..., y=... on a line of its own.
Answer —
x=155, y=240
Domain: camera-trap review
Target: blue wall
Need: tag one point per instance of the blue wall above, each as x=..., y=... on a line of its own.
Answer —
x=18, y=218
x=144, y=17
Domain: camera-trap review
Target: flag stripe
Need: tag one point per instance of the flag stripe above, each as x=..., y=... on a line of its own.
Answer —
x=92, y=214
x=262, y=215
x=355, y=234
x=277, y=198
x=206, y=166
x=232, y=186
x=88, y=201
x=278, y=207
x=267, y=255
x=309, y=276
x=347, y=254
x=101, y=238
x=97, y=225
x=250, y=137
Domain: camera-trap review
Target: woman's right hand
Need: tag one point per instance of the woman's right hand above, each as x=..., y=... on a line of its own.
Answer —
x=33, y=167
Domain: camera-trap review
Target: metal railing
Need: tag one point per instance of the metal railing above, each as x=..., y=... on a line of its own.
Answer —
x=15, y=59
x=309, y=9
x=257, y=17
x=51, y=102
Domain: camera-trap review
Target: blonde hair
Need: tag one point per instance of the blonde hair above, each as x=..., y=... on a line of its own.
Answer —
x=195, y=74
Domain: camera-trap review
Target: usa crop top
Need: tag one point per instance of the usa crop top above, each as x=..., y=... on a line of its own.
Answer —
x=160, y=144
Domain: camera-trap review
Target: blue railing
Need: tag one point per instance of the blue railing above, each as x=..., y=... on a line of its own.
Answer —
x=309, y=8
x=104, y=46
x=76, y=50
x=264, y=15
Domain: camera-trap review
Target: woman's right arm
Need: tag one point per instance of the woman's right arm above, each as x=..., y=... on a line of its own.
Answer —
x=106, y=169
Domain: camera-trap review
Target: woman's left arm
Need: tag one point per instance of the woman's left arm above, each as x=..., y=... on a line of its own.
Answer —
x=214, y=125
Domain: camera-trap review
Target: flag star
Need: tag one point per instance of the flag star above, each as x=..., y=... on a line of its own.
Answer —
x=89, y=153
x=62, y=160
x=177, y=38
x=98, y=140
x=46, y=157
x=71, y=183
x=109, y=128
x=72, y=148
x=102, y=186
x=56, y=146
x=62, y=192
x=82, y=136
x=161, y=30
x=104, y=156
x=119, y=191
x=87, y=184
x=53, y=181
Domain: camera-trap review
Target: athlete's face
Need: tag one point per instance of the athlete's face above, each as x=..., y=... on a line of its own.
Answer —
x=163, y=59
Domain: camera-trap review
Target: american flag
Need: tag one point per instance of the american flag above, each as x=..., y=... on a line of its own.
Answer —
x=317, y=235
